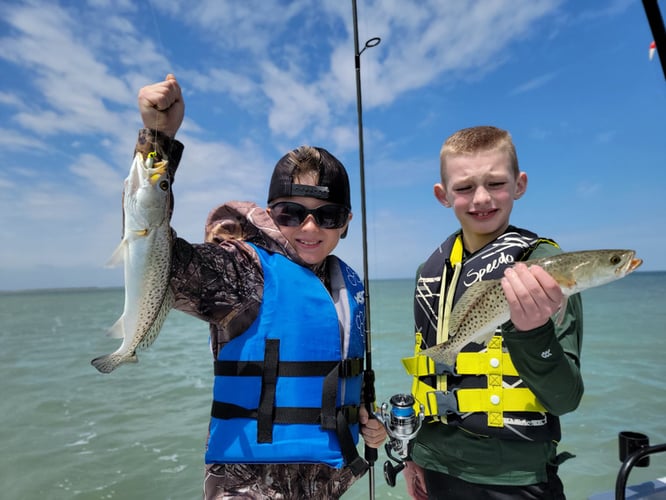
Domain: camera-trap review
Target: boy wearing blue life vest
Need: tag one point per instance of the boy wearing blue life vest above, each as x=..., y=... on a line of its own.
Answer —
x=492, y=420
x=286, y=324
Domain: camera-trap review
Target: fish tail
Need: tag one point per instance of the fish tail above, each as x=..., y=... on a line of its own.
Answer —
x=109, y=362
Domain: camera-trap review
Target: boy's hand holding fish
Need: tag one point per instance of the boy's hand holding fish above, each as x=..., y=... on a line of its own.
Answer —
x=526, y=291
x=533, y=296
x=162, y=107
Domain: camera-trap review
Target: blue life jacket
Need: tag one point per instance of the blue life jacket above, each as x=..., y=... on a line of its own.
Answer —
x=288, y=389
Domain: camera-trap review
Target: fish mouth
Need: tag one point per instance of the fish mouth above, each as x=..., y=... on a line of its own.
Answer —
x=634, y=264
x=156, y=173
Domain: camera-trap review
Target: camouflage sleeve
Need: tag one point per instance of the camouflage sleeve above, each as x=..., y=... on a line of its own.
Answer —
x=218, y=283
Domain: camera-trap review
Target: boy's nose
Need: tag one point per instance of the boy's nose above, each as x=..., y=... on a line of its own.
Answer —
x=481, y=195
x=308, y=221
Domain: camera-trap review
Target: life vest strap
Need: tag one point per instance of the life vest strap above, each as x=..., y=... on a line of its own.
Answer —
x=268, y=389
x=490, y=362
x=422, y=366
x=497, y=400
x=344, y=417
x=460, y=401
x=350, y=453
x=349, y=367
x=467, y=363
x=481, y=363
x=283, y=414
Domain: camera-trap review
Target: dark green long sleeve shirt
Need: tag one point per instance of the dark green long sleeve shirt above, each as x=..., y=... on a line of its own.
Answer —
x=548, y=360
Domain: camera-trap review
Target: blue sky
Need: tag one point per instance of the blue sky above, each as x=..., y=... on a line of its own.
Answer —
x=571, y=80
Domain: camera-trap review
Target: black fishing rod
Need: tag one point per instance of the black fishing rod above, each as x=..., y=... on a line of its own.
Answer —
x=369, y=374
x=656, y=22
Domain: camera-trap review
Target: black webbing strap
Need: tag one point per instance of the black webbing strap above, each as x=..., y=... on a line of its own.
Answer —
x=355, y=462
x=268, y=386
x=347, y=368
x=329, y=395
x=283, y=415
x=335, y=420
x=346, y=416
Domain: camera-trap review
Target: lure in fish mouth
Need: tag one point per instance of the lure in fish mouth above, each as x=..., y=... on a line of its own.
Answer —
x=483, y=307
x=145, y=251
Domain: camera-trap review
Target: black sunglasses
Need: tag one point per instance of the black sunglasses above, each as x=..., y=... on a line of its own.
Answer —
x=288, y=213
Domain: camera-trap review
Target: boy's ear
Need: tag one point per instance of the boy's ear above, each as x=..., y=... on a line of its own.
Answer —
x=440, y=193
x=521, y=185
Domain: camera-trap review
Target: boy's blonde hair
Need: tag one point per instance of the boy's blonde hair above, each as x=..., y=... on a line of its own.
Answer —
x=481, y=139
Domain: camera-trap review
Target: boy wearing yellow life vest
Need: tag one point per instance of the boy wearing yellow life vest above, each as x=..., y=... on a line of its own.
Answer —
x=492, y=420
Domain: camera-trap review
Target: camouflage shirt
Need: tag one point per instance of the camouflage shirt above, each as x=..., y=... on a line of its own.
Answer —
x=220, y=281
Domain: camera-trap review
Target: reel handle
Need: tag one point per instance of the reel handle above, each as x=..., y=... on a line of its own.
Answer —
x=391, y=472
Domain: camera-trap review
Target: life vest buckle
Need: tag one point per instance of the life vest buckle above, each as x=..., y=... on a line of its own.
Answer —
x=358, y=466
x=445, y=369
x=444, y=402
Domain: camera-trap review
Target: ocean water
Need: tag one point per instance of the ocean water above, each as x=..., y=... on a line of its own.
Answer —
x=69, y=432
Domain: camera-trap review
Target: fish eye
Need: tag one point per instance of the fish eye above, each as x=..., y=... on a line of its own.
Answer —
x=164, y=185
x=615, y=259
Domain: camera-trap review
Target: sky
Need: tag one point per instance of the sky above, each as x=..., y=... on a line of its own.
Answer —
x=571, y=81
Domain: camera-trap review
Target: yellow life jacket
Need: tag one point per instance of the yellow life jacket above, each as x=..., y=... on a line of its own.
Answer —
x=482, y=382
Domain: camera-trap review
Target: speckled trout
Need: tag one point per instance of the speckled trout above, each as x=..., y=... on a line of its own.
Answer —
x=483, y=307
x=145, y=250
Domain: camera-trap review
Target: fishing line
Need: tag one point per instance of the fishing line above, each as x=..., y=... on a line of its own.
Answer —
x=162, y=50
x=156, y=26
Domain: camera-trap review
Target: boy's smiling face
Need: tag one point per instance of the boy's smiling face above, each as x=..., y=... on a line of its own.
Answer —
x=481, y=189
x=312, y=242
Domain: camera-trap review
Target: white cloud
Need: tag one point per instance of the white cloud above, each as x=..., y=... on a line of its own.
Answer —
x=295, y=104
x=261, y=76
x=533, y=84
x=97, y=174
x=13, y=140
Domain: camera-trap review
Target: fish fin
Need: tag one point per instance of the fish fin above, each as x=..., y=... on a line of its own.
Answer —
x=117, y=331
x=105, y=364
x=118, y=255
x=559, y=316
x=440, y=354
x=109, y=362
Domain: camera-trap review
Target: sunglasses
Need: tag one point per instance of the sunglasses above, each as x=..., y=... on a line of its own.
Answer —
x=288, y=213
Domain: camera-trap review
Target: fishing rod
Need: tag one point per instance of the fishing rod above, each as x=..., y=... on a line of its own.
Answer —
x=369, y=375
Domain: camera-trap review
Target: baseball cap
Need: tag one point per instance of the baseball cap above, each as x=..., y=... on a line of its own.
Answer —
x=333, y=182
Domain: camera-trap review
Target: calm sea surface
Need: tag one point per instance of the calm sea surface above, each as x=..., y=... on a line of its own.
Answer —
x=69, y=432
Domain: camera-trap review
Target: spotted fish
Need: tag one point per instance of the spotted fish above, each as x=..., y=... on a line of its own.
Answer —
x=145, y=251
x=483, y=307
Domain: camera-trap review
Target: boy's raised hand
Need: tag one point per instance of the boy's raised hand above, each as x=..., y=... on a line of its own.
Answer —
x=533, y=296
x=161, y=106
